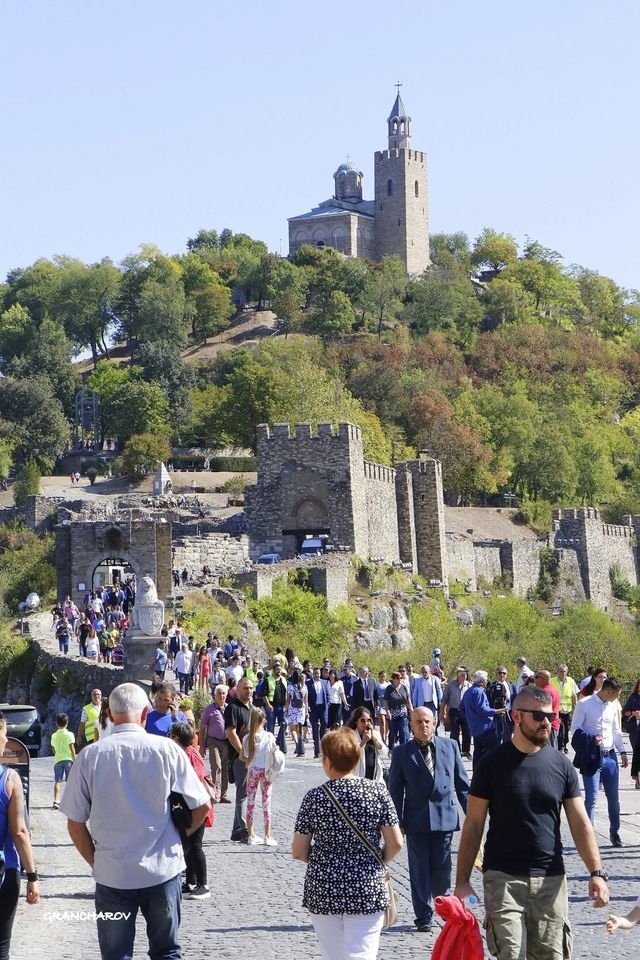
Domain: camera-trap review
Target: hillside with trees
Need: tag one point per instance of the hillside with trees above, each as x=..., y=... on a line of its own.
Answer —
x=518, y=372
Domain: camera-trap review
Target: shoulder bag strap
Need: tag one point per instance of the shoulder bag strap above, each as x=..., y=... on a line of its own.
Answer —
x=356, y=829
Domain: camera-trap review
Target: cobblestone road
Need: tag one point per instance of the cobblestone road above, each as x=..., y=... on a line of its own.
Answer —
x=255, y=910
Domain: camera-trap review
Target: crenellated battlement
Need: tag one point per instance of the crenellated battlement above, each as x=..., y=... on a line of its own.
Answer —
x=416, y=155
x=304, y=431
x=576, y=513
x=377, y=471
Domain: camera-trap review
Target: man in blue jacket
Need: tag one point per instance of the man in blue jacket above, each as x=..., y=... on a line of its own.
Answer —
x=481, y=716
x=318, y=700
x=426, y=776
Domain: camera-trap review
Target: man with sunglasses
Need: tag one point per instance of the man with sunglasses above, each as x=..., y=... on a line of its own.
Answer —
x=522, y=787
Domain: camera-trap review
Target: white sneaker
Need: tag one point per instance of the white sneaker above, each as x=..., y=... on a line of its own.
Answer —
x=270, y=842
x=254, y=841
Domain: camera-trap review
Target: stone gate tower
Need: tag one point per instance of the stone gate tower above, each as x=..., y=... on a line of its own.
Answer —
x=401, y=209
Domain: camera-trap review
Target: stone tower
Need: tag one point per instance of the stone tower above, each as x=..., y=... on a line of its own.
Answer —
x=401, y=210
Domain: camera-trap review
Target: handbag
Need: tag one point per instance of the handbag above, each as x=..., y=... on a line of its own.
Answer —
x=180, y=813
x=275, y=763
x=391, y=912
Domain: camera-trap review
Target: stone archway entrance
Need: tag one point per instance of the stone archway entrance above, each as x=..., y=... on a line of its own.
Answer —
x=111, y=570
x=88, y=550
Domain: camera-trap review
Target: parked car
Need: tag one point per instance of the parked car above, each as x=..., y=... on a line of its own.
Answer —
x=23, y=723
x=269, y=558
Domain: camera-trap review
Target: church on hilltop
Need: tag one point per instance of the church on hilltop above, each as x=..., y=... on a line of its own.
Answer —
x=394, y=223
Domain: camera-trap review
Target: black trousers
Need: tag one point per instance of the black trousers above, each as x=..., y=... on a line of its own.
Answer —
x=195, y=858
x=9, y=893
x=563, y=733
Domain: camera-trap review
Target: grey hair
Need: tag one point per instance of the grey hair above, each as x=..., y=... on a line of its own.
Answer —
x=221, y=687
x=127, y=699
x=480, y=675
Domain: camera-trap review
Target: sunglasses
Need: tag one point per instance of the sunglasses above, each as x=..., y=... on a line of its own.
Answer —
x=539, y=715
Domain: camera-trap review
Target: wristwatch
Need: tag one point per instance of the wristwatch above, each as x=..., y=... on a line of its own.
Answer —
x=600, y=873
x=32, y=877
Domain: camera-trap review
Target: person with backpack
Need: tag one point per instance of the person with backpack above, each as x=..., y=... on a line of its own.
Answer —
x=257, y=744
x=296, y=710
x=62, y=634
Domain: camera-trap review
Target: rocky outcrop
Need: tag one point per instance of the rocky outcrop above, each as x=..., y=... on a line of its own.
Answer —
x=388, y=628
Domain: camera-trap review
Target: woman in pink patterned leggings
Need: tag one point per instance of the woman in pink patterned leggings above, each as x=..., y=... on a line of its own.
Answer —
x=256, y=745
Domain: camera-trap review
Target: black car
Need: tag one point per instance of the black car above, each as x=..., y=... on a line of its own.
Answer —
x=23, y=723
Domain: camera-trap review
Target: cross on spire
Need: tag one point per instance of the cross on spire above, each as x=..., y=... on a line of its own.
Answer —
x=398, y=85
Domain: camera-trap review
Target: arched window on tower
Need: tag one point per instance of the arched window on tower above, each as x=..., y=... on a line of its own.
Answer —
x=389, y=188
x=417, y=188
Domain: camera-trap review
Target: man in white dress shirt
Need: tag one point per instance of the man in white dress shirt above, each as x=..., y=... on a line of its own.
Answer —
x=598, y=717
x=427, y=691
x=121, y=785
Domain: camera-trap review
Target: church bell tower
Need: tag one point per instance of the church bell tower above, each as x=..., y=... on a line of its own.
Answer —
x=401, y=208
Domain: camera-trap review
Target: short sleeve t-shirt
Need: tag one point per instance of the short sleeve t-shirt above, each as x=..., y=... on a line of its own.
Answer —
x=60, y=741
x=525, y=793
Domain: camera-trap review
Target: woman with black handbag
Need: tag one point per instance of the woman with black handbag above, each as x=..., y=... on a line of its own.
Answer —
x=338, y=833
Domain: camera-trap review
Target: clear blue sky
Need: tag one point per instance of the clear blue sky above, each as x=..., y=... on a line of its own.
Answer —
x=131, y=121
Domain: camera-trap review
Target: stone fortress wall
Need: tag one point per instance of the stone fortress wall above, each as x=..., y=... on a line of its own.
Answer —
x=318, y=482
x=581, y=538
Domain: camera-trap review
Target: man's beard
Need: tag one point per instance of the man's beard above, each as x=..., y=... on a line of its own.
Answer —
x=540, y=737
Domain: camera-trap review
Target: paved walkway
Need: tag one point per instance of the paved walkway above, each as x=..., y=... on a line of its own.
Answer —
x=255, y=910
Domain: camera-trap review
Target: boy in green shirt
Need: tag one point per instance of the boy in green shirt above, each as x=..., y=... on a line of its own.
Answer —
x=64, y=750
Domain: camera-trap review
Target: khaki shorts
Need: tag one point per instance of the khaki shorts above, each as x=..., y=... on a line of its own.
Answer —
x=527, y=917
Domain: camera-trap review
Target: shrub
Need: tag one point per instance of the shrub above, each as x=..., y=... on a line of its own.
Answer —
x=27, y=483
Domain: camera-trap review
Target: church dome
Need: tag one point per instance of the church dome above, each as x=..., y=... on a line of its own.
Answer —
x=348, y=180
x=347, y=167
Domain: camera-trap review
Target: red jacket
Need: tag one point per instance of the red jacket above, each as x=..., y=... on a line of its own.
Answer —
x=460, y=938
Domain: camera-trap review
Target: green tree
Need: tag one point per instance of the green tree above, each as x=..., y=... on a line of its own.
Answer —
x=128, y=404
x=208, y=300
x=333, y=318
x=142, y=454
x=163, y=364
x=385, y=286
x=161, y=305
x=49, y=352
x=494, y=250
x=440, y=301
x=203, y=426
x=84, y=302
x=27, y=482
x=32, y=418
x=450, y=251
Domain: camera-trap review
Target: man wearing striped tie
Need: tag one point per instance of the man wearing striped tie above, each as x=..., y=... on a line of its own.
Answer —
x=426, y=776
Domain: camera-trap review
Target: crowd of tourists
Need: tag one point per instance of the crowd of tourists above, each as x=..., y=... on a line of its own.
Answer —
x=393, y=749
x=99, y=627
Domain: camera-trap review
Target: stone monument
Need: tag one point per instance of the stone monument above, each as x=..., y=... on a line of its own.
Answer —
x=147, y=622
x=148, y=611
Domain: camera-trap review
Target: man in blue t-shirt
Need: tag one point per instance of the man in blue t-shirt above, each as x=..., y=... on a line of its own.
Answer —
x=159, y=720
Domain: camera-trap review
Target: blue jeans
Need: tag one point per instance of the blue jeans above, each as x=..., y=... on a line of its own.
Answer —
x=608, y=776
x=160, y=906
x=398, y=729
x=276, y=714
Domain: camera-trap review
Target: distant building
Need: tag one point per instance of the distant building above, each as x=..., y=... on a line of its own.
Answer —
x=394, y=223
